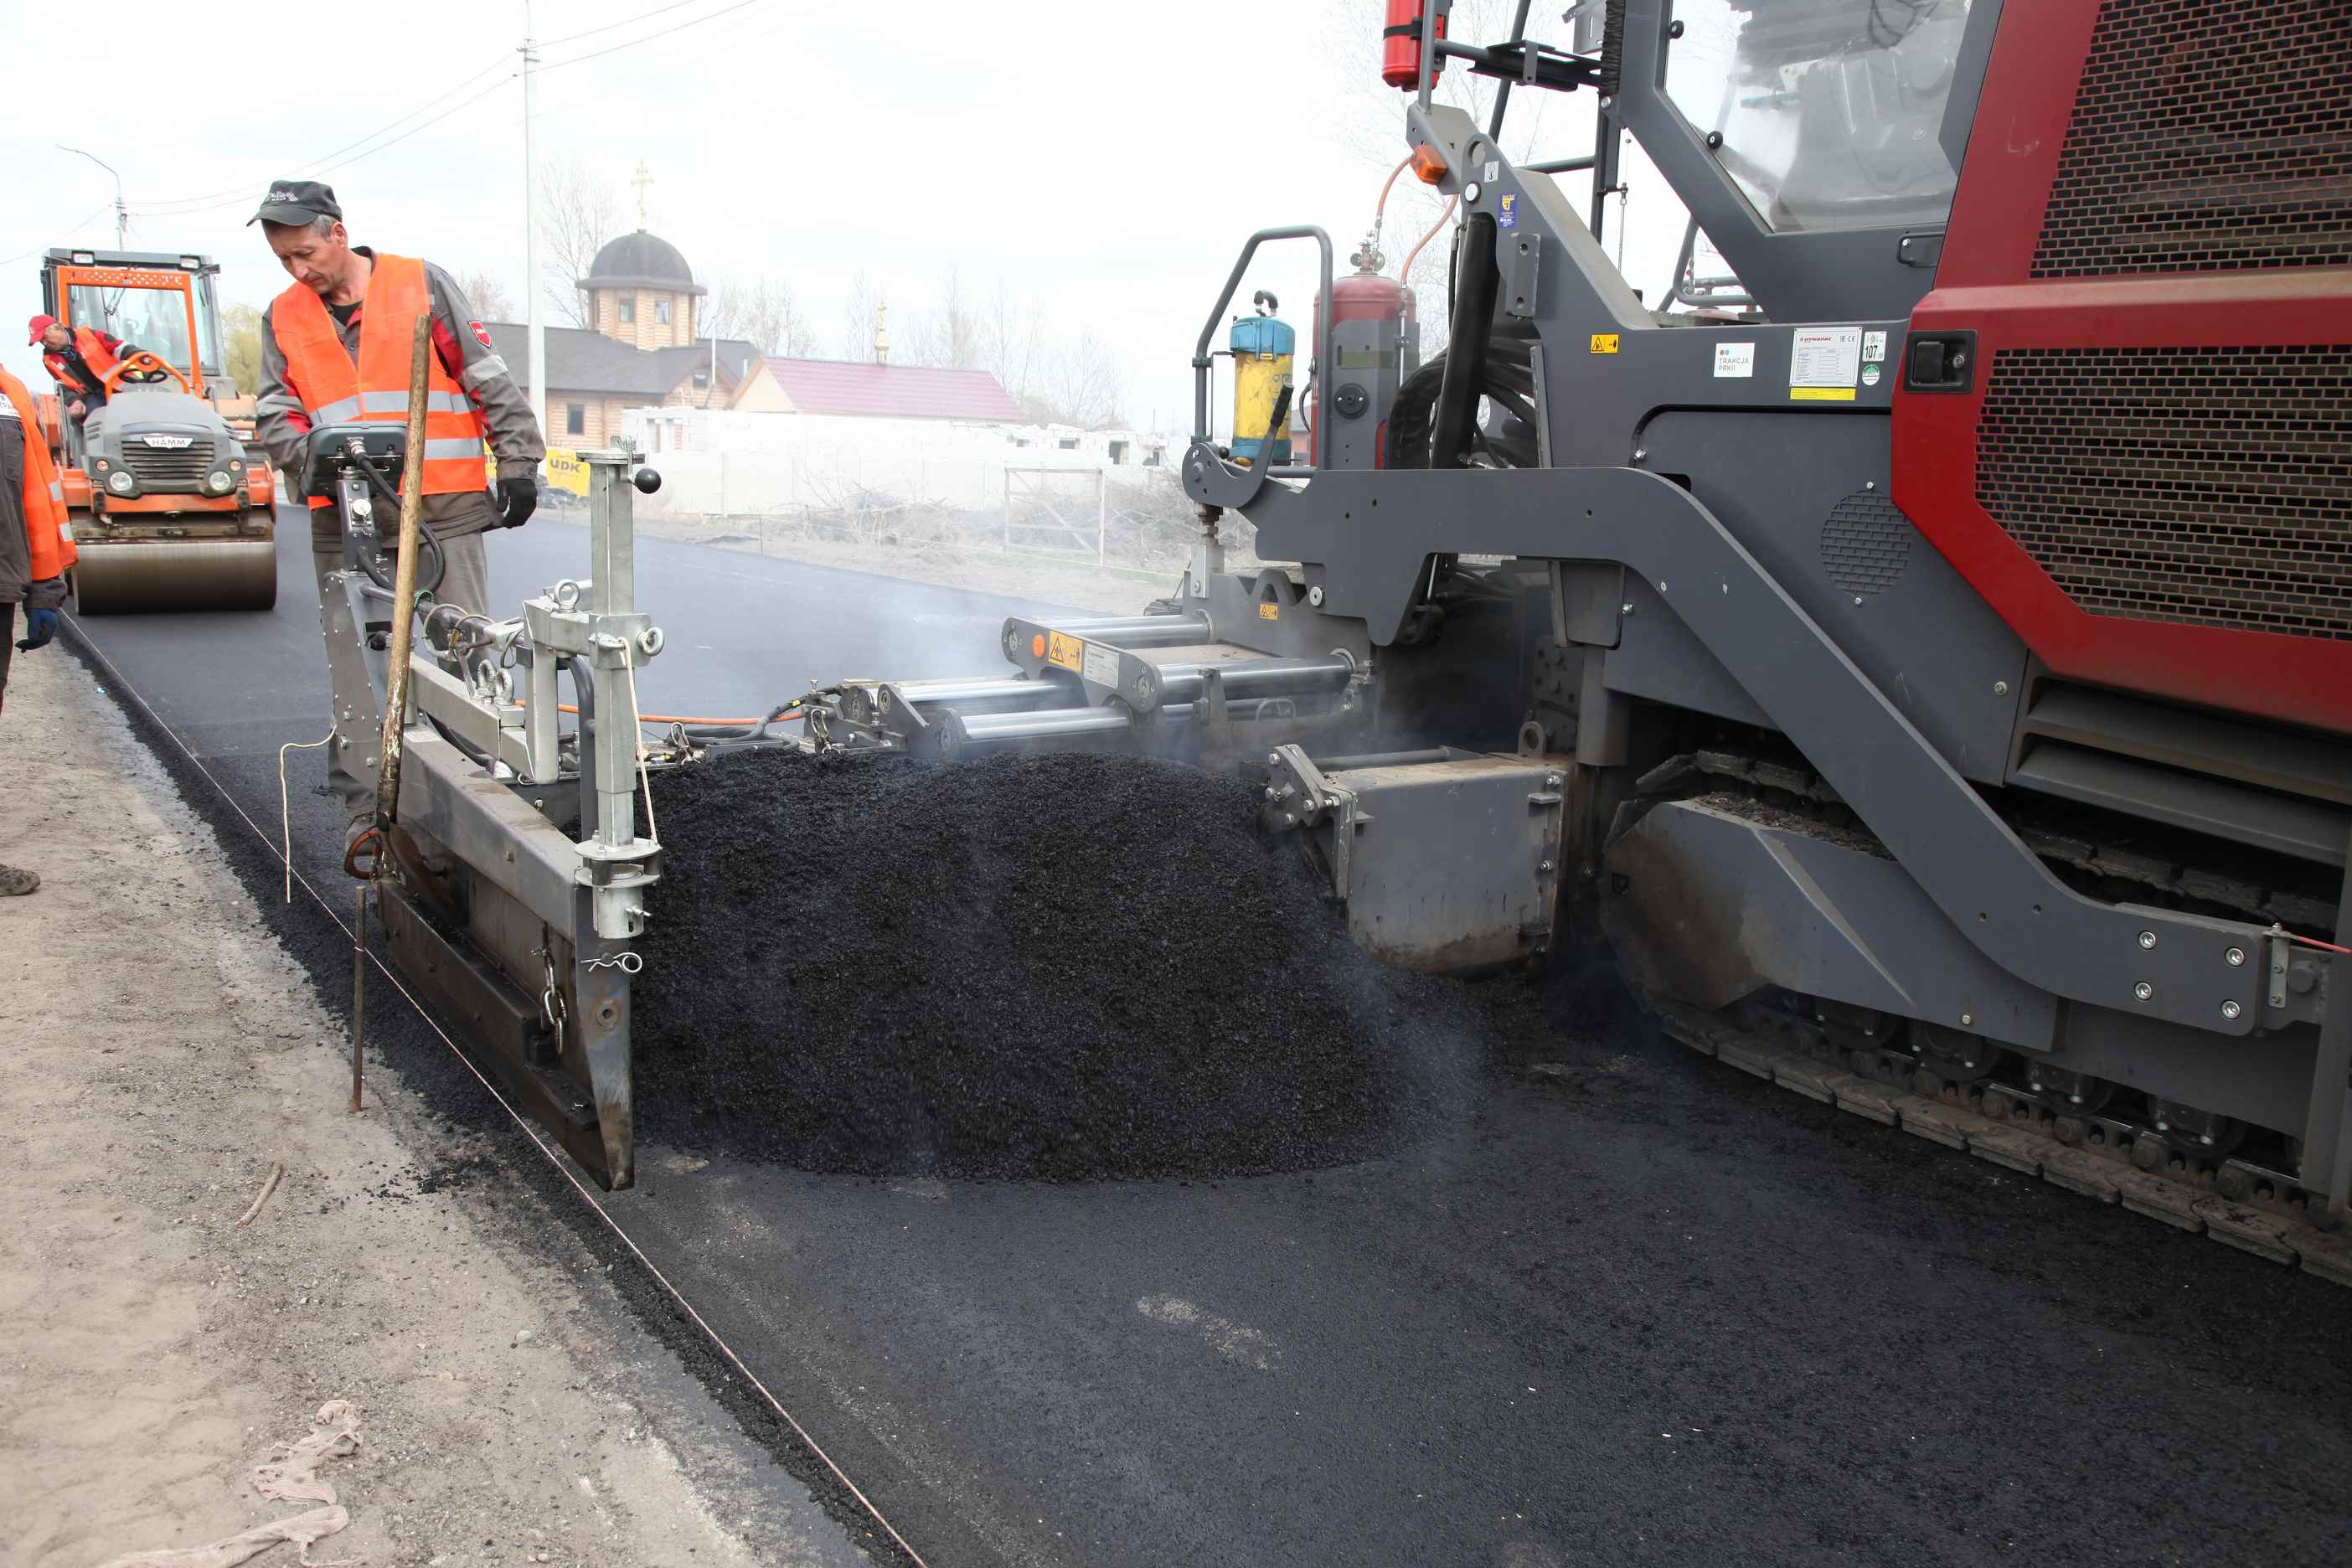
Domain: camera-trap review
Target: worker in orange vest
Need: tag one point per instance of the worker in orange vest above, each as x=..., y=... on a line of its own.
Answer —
x=335, y=351
x=79, y=359
x=36, y=547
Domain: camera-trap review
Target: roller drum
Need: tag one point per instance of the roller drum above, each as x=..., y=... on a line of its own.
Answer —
x=145, y=575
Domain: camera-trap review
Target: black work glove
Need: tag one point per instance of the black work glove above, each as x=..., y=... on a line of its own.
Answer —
x=42, y=624
x=517, y=499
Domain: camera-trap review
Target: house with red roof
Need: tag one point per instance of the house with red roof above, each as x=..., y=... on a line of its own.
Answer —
x=775, y=385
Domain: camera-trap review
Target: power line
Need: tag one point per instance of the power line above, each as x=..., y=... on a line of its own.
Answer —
x=649, y=37
x=191, y=205
x=591, y=93
x=68, y=233
x=589, y=32
x=188, y=202
x=245, y=191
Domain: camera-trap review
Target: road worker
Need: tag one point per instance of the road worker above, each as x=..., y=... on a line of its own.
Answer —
x=335, y=349
x=36, y=547
x=77, y=359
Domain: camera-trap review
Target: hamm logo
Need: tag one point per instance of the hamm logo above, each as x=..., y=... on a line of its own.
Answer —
x=169, y=443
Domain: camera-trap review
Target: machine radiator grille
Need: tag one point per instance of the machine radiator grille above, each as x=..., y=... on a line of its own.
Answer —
x=2208, y=136
x=156, y=468
x=2202, y=487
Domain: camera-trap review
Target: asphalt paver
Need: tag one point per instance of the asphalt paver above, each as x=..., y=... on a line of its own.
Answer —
x=1639, y=1308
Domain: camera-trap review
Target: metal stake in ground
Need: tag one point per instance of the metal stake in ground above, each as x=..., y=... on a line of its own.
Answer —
x=395, y=697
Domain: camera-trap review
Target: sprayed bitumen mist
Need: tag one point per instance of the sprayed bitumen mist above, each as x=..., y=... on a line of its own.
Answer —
x=1060, y=965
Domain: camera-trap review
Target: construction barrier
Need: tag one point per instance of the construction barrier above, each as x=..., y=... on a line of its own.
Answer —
x=566, y=472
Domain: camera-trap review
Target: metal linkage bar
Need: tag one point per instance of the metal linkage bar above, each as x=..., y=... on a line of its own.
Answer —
x=1256, y=677
x=1138, y=631
x=980, y=689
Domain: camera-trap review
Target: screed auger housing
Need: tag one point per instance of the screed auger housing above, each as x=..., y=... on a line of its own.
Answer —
x=1924, y=657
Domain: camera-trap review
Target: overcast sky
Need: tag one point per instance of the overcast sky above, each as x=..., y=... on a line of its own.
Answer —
x=1103, y=159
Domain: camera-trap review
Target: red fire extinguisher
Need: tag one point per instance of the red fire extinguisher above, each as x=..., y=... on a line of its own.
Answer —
x=1401, y=43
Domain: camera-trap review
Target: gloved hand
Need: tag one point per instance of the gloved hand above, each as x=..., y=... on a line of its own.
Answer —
x=517, y=499
x=41, y=625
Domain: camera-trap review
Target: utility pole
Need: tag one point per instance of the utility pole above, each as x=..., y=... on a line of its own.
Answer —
x=537, y=328
x=121, y=214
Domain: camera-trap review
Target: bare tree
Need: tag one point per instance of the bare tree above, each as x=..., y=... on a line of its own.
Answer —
x=950, y=334
x=488, y=296
x=1010, y=339
x=857, y=321
x=1079, y=384
x=761, y=311
x=577, y=217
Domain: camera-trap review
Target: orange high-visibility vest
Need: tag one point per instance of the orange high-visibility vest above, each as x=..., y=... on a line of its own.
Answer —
x=44, y=497
x=94, y=354
x=374, y=391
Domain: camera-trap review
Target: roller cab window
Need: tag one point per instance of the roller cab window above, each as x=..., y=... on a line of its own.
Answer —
x=156, y=320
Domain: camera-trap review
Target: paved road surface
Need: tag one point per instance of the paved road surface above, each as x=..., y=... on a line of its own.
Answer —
x=1654, y=1311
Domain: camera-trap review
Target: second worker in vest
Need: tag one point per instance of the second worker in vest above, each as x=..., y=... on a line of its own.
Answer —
x=335, y=351
x=77, y=359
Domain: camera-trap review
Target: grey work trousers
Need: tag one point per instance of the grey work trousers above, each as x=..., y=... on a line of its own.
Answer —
x=464, y=580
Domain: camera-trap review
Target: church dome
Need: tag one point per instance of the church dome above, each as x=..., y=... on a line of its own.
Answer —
x=641, y=261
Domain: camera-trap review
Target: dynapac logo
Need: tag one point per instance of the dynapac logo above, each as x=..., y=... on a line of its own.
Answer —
x=169, y=443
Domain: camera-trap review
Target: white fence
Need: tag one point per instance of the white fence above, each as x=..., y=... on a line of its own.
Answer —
x=731, y=463
x=1059, y=511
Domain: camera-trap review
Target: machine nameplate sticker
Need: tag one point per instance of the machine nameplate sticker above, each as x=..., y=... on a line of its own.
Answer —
x=1101, y=665
x=1734, y=359
x=1824, y=362
x=1604, y=342
x=1067, y=651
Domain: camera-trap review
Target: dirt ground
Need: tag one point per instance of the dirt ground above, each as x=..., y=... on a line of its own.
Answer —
x=158, y=1055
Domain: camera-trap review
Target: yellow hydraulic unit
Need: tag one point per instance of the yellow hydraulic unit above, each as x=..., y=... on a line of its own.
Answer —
x=1263, y=346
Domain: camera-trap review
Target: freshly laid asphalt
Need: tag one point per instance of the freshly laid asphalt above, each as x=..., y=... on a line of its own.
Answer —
x=1639, y=1308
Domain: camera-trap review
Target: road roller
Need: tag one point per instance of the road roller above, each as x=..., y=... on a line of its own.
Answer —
x=169, y=509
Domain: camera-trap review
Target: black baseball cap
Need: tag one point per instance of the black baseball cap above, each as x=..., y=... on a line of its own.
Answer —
x=296, y=202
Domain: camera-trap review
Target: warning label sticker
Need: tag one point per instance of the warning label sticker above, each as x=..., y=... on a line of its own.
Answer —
x=1734, y=359
x=1102, y=665
x=1823, y=363
x=1066, y=650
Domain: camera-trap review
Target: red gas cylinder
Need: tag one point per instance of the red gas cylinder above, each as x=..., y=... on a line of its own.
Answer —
x=1400, y=44
x=1364, y=296
x=1371, y=321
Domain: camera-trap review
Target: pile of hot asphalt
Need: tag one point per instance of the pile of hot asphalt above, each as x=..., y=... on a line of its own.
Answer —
x=1059, y=966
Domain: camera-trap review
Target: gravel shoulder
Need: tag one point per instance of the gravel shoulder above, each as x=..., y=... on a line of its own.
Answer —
x=162, y=1054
